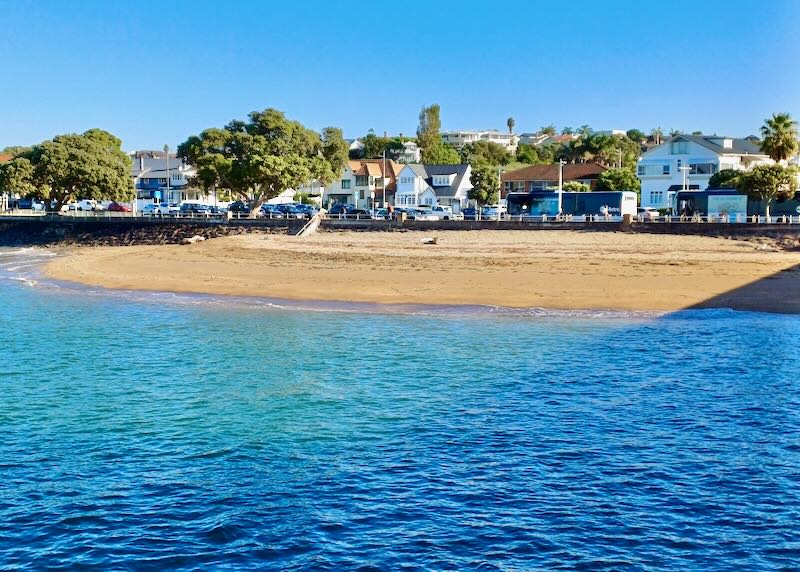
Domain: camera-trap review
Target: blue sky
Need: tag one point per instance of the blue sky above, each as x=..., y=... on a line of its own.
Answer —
x=156, y=72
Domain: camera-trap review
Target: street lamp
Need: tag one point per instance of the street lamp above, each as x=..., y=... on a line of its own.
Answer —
x=166, y=155
x=561, y=163
x=372, y=201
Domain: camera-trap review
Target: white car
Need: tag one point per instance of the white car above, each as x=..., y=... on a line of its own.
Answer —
x=446, y=213
x=85, y=205
x=647, y=214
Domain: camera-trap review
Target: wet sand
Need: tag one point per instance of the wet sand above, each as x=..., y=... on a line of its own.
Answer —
x=547, y=269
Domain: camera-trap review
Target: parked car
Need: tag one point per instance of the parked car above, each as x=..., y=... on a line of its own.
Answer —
x=445, y=212
x=85, y=205
x=421, y=214
x=647, y=213
x=161, y=209
x=340, y=209
x=470, y=213
x=290, y=211
x=239, y=207
x=307, y=210
x=381, y=214
x=30, y=204
x=116, y=207
x=358, y=213
x=196, y=208
x=270, y=211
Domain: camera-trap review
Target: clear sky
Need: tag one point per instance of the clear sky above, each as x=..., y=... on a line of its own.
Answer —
x=156, y=72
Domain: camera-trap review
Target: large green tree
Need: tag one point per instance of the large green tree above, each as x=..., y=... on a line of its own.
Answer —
x=575, y=187
x=485, y=184
x=91, y=165
x=725, y=179
x=768, y=182
x=527, y=154
x=485, y=152
x=440, y=154
x=779, y=136
x=636, y=135
x=510, y=123
x=618, y=180
x=257, y=159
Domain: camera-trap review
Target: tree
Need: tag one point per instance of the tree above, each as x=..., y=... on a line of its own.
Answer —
x=567, y=131
x=429, y=125
x=260, y=158
x=91, y=165
x=618, y=180
x=725, y=179
x=15, y=150
x=675, y=132
x=485, y=152
x=548, y=130
x=527, y=154
x=485, y=185
x=779, y=137
x=636, y=135
x=768, y=182
x=657, y=134
x=575, y=187
x=510, y=124
x=440, y=154
x=16, y=177
x=547, y=153
x=374, y=146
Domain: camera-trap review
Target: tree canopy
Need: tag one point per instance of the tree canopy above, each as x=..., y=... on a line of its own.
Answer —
x=636, y=135
x=485, y=184
x=779, y=137
x=429, y=126
x=575, y=187
x=487, y=152
x=618, y=180
x=510, y=124
x=91, y=165
x=725, y=179
x=768, y=182
x=440, y=154
x=374, y=146
x=260, y=158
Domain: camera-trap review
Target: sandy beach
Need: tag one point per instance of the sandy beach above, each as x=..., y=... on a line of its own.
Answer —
x=548, y=269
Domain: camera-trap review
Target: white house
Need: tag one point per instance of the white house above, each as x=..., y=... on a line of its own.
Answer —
x=411, y=153
x=433, y=185
x=661, y=169
x=159, y=176
x=362, y=184
x=458, y=139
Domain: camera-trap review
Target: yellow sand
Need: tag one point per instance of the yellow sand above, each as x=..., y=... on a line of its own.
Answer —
x=550, y=269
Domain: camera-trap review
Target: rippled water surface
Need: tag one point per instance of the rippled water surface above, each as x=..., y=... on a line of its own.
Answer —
x=154, y=432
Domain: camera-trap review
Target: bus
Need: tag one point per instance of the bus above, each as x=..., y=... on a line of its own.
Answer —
x=538, y=203
x=731, y=203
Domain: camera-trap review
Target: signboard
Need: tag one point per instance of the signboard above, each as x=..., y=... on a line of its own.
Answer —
x=731, y=205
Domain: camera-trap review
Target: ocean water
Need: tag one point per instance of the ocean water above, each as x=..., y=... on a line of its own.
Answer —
x=153, y=432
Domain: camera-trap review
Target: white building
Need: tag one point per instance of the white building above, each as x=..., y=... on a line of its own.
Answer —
x=362, y=184
x=433, y=185
x=458, y=139
x=411, y=153
x=661, y=169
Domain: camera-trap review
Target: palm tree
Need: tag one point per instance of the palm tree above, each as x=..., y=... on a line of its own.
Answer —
x=657, y=134
x=779, y=137
x=510, y=123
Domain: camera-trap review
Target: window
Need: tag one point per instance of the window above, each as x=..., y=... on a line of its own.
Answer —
x=176, y=177
x=406, y=180
x=641, y=170
x=656, y=197
x=361, y=180
x=665, y=169
x=679, y=147
x=702, y=168
x=162, y=181
x=346, y=183
x=652, y=169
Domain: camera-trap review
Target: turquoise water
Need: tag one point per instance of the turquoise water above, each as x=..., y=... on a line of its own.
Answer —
x=146, y=431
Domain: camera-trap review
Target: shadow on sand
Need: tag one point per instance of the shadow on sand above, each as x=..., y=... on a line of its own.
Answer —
x=776, y=293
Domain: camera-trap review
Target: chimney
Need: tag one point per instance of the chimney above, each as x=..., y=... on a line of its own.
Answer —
x=141, y=162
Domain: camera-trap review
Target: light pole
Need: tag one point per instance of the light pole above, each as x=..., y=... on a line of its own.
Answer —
x=561, y=163
x=166, y=156
x=500, y=192
x=685, y=169
x=372, y=201
x=384, y=180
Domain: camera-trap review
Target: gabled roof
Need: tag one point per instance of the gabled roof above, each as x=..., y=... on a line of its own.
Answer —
x=374, y=168
x=427, y=172
x=738, y=146
x=549, y=172
x=5, y=157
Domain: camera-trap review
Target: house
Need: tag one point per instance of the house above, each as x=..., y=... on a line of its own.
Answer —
x=411, y=153
x=5, y=197
x=160, y=176
x=362, y=184
x=543, y=177
x=458, y=139
x=697, y=157
x=532, y=138
x=433, y=185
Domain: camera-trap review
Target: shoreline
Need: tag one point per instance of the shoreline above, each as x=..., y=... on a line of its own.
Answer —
x=522, y=270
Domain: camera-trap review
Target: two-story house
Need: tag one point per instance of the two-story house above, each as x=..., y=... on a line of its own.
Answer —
x=362, y=184
x=691, y=160
x=433, y=185
x=160, y=176
x=459, y=139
